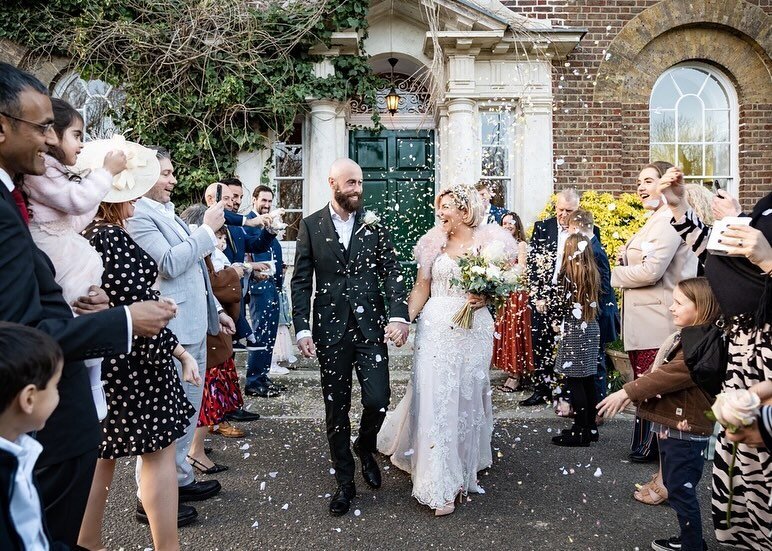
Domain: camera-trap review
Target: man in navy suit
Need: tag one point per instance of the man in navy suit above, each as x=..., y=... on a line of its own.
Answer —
x=493, y=214
x=264, y=305
x=581, y=221
x=32, y=297
x=544, y=259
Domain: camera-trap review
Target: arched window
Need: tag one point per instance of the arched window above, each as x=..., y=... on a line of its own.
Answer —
x=693, y=120
x=96, y=101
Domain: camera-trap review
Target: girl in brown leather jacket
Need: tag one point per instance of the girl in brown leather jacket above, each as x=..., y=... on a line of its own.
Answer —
x=667, y=396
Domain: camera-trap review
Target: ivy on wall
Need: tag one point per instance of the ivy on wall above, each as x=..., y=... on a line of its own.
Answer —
x=204, y=78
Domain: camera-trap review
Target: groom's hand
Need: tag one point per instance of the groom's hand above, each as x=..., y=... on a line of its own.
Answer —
x=307, y=347
x=396, y=332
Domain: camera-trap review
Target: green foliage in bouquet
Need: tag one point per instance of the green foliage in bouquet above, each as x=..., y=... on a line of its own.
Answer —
x=489, y=273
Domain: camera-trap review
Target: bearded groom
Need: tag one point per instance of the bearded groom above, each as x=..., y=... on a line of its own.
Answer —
x=352, y=258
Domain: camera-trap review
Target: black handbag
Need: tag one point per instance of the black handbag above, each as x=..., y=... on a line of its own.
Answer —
x=706, y=353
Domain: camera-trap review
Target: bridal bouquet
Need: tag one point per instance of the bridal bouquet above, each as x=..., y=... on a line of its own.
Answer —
x=486, y=271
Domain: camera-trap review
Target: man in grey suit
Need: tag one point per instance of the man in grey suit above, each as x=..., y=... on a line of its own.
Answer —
x=179, y=253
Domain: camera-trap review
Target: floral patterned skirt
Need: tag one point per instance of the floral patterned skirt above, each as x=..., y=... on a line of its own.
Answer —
x=222, y=394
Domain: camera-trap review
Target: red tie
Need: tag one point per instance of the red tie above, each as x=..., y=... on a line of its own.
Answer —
x=19, y=198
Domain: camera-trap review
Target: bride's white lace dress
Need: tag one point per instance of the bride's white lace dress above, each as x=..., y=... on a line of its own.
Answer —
x=441, y=431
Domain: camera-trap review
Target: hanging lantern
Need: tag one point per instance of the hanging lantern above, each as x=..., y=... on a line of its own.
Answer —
x=392, y=99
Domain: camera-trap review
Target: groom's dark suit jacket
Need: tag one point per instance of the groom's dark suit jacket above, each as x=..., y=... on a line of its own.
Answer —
x=347, y=282
x=30, y=296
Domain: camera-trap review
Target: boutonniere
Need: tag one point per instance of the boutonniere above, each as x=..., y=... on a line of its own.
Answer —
x=370, y=220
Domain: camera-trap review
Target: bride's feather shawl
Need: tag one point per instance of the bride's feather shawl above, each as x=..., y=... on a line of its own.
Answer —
x=430, y=246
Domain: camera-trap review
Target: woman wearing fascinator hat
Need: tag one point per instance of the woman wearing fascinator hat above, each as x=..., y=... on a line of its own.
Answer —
x=146, y=405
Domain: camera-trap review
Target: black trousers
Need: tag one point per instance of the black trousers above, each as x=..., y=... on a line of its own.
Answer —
x=64, y=489
x=543, y=341
x=371, y=361
x=581, y=392
x=682, y=464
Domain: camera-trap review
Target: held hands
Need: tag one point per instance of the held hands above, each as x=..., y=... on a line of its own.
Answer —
x=150, y=316
x=307, y=347
x=541, y=306
x=115, y=162
x=613, y=403
x=226, y=324
x=95, y=301
x=396, y=332
x=239, y=269
x=190, y=369
x=214, y=217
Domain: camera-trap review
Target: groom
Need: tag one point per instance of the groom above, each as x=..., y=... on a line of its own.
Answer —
x=351, y=259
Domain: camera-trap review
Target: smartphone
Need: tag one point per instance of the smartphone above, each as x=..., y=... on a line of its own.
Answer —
x=218, y=196
x=718, y=185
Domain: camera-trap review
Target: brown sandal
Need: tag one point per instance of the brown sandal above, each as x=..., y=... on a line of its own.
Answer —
x=643, y=493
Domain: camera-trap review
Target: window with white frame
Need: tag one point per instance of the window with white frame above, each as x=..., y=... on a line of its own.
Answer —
x=288, y=179
x=693, y=118
x=497, y=128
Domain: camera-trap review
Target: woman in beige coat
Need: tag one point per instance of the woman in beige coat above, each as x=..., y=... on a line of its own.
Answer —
x=650, y=265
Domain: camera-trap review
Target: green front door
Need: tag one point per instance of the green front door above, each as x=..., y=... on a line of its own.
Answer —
x=398, y=171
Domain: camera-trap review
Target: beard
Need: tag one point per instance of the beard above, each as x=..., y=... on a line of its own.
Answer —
x=350, y=203
x=264, y=210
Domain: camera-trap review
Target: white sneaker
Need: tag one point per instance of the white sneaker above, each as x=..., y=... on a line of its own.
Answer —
x=276, y=369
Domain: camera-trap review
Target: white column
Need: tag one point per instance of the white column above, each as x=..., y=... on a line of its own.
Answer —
x=460, y=152
x=326, y=142
x=536, y=159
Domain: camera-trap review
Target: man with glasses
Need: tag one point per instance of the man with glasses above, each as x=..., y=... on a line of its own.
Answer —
x=31, y=297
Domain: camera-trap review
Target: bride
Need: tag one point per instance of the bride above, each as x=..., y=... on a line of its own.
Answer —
x=441, y=431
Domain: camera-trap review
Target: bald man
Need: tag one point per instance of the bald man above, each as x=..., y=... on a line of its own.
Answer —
x=352, y=262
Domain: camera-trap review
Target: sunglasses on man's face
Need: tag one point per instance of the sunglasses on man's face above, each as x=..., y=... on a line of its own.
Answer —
x=44, y=128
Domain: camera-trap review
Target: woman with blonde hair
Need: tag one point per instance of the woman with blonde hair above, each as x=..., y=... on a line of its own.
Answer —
x=441, y=431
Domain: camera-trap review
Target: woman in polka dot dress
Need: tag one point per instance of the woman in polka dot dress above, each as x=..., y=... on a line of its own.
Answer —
x=147, y=407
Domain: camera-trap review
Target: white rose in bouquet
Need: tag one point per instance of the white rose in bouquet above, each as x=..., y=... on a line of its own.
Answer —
x=512, y=275
x=493, y=252
x=736, y=408
x=479, y=270
x=493, y=272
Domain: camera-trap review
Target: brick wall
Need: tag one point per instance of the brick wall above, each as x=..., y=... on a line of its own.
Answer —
x=602, y=137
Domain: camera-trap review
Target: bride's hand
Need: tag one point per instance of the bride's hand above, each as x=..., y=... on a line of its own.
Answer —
x=476, y=301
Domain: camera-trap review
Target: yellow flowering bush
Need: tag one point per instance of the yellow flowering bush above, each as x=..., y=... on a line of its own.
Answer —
x=618, y=219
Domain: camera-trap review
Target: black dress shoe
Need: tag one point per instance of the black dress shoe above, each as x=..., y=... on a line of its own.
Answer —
x=640, y=458
x=242, y=416
x=185, y=514
x=370, y=471
x=277, y=386
x=341, y=499
x=536, y=399
x=592, y=434
x=261, y=391
x=572, y=440
x=199, y=491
